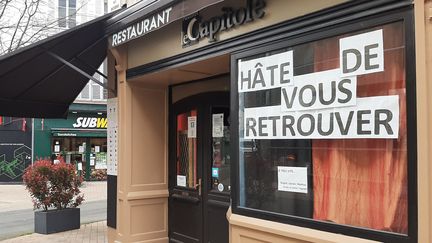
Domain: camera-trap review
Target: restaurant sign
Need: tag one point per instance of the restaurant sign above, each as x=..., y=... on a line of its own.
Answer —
x=194, y=28
x=142, y=27
x=91, y=122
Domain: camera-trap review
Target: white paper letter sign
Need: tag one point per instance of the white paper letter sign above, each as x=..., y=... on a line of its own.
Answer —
x=372, y=117
x=362, y=54
x=192, y=129
x=265, y=72
x=292, y=179
x=319, y=90
x=181, y=180
x=218, y=125
x=320, y=105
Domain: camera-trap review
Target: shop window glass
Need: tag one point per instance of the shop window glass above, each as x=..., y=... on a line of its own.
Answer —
x=71, y=148
x=187, y=149
x=221, y=161
x=337, y=151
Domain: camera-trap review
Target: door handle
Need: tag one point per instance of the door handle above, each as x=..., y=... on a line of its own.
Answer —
x=198, y=186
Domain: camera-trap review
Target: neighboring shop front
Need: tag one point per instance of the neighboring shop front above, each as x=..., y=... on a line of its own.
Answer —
x=81, y=139
x=273, y=121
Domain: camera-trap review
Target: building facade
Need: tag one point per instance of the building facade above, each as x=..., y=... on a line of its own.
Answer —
x=273, y=121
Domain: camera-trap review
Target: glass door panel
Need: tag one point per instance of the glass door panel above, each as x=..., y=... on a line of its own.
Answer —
x=220, y=150
x=186, y=149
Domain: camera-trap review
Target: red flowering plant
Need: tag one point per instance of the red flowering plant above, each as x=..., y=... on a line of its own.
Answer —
x=53, y=185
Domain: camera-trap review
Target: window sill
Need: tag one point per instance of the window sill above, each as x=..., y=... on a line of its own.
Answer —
x=241, y=225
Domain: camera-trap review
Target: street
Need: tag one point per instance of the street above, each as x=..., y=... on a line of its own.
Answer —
x=20, y=222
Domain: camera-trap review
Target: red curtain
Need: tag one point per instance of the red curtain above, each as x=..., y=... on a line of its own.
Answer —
x=363, y=182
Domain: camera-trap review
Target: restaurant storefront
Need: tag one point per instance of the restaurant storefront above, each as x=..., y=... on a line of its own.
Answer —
x=81, y=140
x=248, y=120
x=273, y=121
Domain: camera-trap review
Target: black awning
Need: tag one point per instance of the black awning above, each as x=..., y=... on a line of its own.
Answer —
x=38, y=80
x=33, y=83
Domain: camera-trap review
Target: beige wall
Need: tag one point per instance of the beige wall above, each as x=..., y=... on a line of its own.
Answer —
x=142, y=191
x=143, y=187
x=423, y=29
x=166, y=42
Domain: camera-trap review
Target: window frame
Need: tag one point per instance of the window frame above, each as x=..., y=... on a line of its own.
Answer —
x=405, y=15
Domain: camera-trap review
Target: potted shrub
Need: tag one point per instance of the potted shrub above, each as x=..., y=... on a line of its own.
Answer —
x=54, y=188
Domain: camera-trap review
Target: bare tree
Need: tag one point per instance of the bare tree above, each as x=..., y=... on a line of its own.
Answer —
x=23, y=22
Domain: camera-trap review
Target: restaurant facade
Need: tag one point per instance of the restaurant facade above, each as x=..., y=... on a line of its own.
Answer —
x=250, y=120
x=273, y=121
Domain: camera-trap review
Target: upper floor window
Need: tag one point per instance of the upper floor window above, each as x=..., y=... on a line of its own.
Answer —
x=94, y=91
x=67, y=13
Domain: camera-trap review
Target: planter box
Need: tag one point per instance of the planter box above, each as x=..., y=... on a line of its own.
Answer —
x=53, y=221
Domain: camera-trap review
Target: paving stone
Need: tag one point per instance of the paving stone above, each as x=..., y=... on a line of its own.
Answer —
x=88, y=233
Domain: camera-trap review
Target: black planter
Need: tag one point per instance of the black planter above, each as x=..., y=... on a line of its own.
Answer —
x=52, y=221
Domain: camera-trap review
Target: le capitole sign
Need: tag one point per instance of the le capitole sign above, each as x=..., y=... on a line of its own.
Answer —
x=194, y=28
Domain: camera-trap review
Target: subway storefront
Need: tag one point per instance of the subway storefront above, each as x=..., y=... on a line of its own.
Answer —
x=80, y=139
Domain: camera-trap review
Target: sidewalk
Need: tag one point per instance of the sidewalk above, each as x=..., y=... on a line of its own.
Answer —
x=16, y=197
x=17, y=216
x=88, y=233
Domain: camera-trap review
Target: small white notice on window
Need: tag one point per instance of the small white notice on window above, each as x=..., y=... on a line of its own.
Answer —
x=218, y=125
x=192, y=129
x=292, y=179
x=181, y=180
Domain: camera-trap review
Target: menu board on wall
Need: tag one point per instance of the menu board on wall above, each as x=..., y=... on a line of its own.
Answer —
x=112, y=136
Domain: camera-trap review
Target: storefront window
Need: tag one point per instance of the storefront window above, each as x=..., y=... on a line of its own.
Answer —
x=187, y=149
x=323, y=130
x=73, y=150
x=98, y=159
